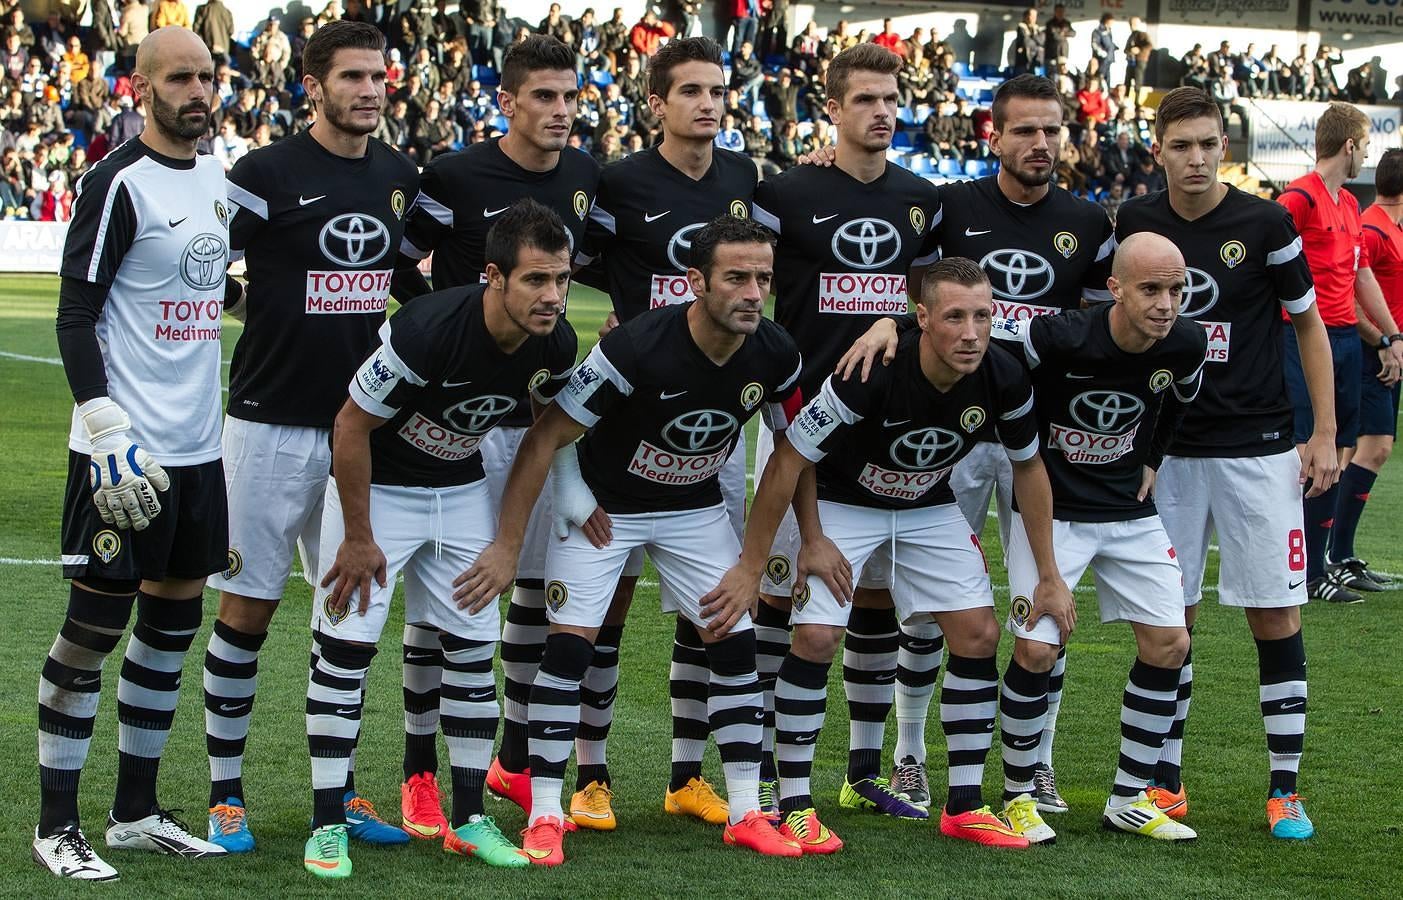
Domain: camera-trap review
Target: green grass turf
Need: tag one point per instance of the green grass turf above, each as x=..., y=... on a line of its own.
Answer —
x=1352, y=751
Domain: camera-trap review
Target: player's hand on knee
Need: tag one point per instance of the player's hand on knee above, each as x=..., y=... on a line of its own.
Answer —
x=879, y=340
x=1052, y=598
x=124, y=478
x=1147, y=483
x=729, y=600
x=822, y=558
x=356, y=564
x=1320, y=464
x=488, y=579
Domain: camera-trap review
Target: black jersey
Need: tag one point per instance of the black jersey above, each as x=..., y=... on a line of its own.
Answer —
x=644, y=218
x=1245, y=265
x=664, y=418
x=318, y=233
x=461, y=193
x=1104, y=413
x=844, y=251
x=1041, y=258
x=443, y=383
x=891, y=443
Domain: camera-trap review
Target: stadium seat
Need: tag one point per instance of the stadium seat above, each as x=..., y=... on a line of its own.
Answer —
x=905, y=114
x=976, y=168
x=80, y=138
x=987, y=71
x=500, y=122
x=950, y=168
x=921, y=164
x=902, y=140
x=600, y=77
x=961, y=69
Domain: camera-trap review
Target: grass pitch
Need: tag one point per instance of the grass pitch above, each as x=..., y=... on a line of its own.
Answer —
x=1352, y=748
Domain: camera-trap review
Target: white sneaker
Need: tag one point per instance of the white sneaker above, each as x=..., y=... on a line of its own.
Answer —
x=68, y=854
x=1021, y=815
x=1139, y=815
x=160, y=832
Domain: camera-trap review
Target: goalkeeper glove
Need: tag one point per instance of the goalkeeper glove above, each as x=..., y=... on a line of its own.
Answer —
x=572, y=502
x=124, y=477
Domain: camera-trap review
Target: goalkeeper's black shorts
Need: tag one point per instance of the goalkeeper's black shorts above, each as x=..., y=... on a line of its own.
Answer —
x=189, y=539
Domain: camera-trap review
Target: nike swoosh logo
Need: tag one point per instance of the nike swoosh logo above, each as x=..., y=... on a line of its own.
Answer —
x=419, y=655
x=892, y=423
x=1297, y=705
x=478, y=697
x=587, y=814
x=489, y=213
x=453, y=384
x=1025, y=743
x=668, y=395
x=536, y=854
x=819, y=220
x=556, y=730
x=806, y=739
x=232, y=707
x=174, y=222
x=648, y=218
x=886, y=676
x=81, y=682
x=322, y=864
x=1079, y=377
x=303, y=201
x=425, y=830
x=346, y=712
x=1295, y=584
x=970, y=232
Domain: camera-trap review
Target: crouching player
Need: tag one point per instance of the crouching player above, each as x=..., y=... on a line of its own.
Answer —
x=664, y=398
x=883, y=451
x=407, y=493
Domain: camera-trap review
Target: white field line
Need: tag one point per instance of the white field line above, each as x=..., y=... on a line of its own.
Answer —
x=51, y=361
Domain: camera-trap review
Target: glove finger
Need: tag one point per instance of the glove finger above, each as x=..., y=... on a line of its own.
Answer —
x=559, y=527
x=100, y=501
x=131, y=504
x=150, y=503
x=155, y=474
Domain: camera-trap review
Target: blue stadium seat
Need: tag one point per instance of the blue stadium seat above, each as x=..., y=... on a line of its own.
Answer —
x=80, y=139
x=500, y=122
x=902, y=140
x=950, y=168
x=976, y=168
x=905, y=115
x=600, y=78
x=921, y=164
x=962, y=69
x=987, y=71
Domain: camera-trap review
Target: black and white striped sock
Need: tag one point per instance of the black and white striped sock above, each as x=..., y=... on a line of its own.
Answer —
x=968, y=700
x=869, y=683
x=335, y=698
x=801, y=700
x=736, y=715
x=771, y=646
x=1146, y=712
x=597, y=693
x=469, y=718
x=688, y=689
x=1054, y=706
x=1169, y=771
x=423, y=676
x=1282, y=668
x=523, y=643
x=918, y=661
x=1022, y=707
x=230, y=682
x=555, y=717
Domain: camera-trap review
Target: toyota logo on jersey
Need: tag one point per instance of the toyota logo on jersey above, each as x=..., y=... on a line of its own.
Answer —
x=1109, y=412
x=478, y=415
x=203, y=263
x=354, y=240
x=679, y=249
x=926, y=448
x=700, y=431
x=866, y=243
x=1200, y=293
x=1017, y=274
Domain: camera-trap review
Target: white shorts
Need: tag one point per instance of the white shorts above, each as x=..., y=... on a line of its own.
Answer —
x=498, y=449
x=1137, y=575
x=432, y=535
x=935, y=562
x=275, y=476
x=778, y=580
x=733, y=494
x=691, y=548
x=986, y=472
x=1253, y=504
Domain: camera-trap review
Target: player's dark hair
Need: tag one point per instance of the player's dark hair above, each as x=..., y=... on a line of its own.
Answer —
x=1388, y=177
x=526, y=224
x=674, y=53
x=867, y=57
x=538, y=53
x=951, y=270
x=1033, y=87
x=725, y=230
x=1182, y=104
x=342, y=34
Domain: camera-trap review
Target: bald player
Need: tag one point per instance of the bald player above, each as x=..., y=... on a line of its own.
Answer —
x=145, y=519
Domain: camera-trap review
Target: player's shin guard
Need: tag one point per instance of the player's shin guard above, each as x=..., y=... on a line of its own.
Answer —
x=148, y=692
x=869, y=682
x=334, y=703
x=688, y=678
x=230, y=682
x=523, y=642
x=1169, y=772
x=554, y=715
x=1054, y=706
x=69, y=688
x=918, y=661
x=1022, y=709
x=801, y=699
x=1319, y=521
x=1282, y=666
x=771, y=645
x=1146, y=714
x=968, y=701
x=736, y=715
x=423, y=675
x=469, y=713
x=597, y=693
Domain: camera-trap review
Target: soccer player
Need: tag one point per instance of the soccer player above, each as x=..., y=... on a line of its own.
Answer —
x=1378, y=402
x=883, y=451
x=407, y=495
x=1111, y=382
x=663, y=398
x=1327, y=217
x=461, y=196
x=649, y=208
x=1231, y=467
x=144, y=511
x=849, y=236
x=317, y=219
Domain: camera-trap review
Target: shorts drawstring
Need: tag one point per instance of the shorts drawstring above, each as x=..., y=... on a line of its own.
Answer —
x=891, y=551
x=438, y=525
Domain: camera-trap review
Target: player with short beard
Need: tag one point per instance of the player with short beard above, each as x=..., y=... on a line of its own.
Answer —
x=144, y=510
x=317, y=218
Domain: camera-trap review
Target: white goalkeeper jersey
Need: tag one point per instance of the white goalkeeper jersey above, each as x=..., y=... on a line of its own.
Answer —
x=155, y=232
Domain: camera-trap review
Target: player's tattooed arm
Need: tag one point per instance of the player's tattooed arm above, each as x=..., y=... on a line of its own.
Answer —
x=1320, y=461
x=1051, y=596
x=359, y=558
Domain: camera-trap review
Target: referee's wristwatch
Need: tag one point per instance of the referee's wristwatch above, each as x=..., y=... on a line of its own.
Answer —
x=1387, y=340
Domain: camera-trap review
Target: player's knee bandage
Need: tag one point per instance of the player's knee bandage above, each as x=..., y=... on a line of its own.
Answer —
x=531, y=584
x=733, y=655
x=567, y=656
x=344, y=654
x=102, y=602
x=169, y=615
x=1286, y=654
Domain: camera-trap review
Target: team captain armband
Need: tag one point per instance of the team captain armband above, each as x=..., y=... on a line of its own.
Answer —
x=378, y=385
x=817, y=422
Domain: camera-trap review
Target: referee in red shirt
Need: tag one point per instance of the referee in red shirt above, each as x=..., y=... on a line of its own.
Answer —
x=1327, y=217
